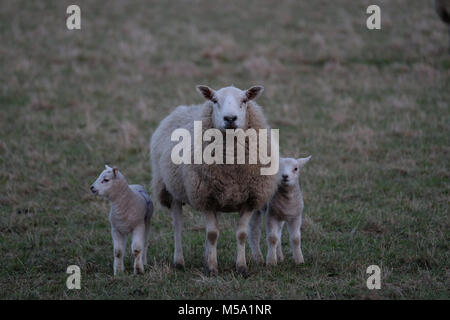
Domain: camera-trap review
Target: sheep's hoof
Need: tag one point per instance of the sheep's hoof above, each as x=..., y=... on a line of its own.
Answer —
x=210, y=272
x=242, y=270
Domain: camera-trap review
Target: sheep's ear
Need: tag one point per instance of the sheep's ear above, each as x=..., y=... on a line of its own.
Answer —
x=303, y=161
x=254, y=92
x=115, y=170
x=107, y=167
x=206, y=92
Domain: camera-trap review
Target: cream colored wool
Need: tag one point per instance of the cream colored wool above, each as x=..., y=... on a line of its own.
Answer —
x=285, y=207
x=130, y=213
x=208, y=188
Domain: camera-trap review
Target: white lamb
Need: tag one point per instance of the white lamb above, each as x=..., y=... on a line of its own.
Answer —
x=286, y=206
x=131, y=212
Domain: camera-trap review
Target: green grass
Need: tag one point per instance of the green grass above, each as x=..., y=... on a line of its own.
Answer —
x=372, y=107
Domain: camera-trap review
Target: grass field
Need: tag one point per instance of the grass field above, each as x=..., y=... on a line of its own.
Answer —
x=372, y=107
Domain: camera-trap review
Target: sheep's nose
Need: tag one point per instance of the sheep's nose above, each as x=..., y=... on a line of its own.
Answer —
x=230, y=119
x=92, y=189
x=285, y=176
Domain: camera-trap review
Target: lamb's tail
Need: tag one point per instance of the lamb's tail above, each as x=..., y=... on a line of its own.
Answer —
x=148, y=201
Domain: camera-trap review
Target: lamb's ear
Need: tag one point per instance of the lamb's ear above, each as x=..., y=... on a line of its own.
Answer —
x=115, y=170
x=254, y=92
x=107, y=167
x=303, y=161
x=206, y=92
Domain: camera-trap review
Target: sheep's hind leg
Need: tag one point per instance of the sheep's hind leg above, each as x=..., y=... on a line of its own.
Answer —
x=241, y=237
x=212, y=235
x=254, y=235
x=177, y=219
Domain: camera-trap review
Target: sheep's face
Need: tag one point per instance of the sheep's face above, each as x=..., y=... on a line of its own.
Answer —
x=104, y=181
x=290, y=170
x=229, y=105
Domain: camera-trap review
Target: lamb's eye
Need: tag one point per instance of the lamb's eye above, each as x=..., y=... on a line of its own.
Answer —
x=105, y=180
x=295, y=169
x=214, y=100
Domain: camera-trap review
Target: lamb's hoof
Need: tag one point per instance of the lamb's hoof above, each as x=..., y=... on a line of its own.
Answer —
x=271, y=263
x=138, y=271
x=259, y=260
x=242, y=270
x=179, y=266
x=211, y=272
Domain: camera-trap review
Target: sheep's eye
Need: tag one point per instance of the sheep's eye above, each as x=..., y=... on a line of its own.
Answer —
x=214, y=100
x=295, y=169
x=105, y=180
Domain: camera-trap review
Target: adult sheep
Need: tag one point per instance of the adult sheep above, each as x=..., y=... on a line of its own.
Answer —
x=212, y=188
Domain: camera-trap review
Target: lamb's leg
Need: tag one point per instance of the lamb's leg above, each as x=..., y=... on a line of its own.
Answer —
x=241, y=237
x=280, y=256
x=177, y=218
x=272, y=230
x=137, y=248
x=295, y=239
x=254, y=235
x=212, y=235
x=119, y=243
x=147, y=233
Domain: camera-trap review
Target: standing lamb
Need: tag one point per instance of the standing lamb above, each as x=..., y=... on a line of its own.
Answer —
x=212, y=188
x=131, y=212
x=285, y=206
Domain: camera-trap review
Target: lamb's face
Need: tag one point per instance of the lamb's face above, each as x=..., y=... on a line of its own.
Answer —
x=104, y=181
x=229, y=105
x=290, y=170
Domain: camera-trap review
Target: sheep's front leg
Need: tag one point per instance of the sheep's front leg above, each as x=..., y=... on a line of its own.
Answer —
x=212, y=235
x=241, y=237
x=177, y=219
x=137, y=248
x=119, y=243
x=273, y=227
x=295, y=239
x=254, y=235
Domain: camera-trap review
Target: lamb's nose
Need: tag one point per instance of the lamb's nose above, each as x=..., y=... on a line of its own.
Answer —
x=92, y=188
x=285, y=176
x=230, y=119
